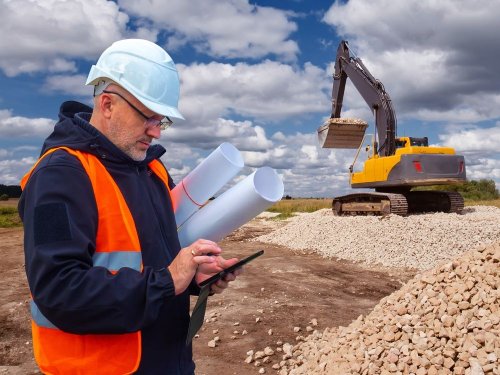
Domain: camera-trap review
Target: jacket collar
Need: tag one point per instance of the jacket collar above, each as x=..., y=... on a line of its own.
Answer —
x=74, y=130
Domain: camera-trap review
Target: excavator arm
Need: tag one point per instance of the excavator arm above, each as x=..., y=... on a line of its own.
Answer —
x=373, y=93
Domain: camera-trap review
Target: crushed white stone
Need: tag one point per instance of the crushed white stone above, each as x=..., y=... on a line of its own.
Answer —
x=417, y=241
x=212, y=344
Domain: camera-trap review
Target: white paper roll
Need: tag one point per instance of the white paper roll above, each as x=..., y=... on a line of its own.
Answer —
x=205, y=180
x=234, y=207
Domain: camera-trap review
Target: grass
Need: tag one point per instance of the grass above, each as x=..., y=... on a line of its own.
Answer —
x=287, y=207
x=491, y=202
x=9, y=218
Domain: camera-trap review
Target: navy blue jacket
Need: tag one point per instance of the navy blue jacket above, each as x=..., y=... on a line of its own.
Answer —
x=59, y=213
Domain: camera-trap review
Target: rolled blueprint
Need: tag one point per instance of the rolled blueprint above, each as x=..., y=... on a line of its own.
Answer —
x=205, y=180
x=234, y=207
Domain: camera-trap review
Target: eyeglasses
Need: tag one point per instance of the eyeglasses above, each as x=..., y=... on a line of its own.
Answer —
x=152, y=121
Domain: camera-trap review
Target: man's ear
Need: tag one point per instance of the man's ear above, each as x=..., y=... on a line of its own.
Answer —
x=106, y=105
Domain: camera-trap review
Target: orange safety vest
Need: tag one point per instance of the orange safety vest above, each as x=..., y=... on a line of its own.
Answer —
x=117, y=246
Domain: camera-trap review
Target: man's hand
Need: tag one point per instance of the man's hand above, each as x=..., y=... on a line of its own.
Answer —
x=184, y=266
x=207, y=270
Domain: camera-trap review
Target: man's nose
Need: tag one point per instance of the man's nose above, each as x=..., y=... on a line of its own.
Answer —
x=153, y=131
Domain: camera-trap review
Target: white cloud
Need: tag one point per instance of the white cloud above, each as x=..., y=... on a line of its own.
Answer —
x=474, y=139
x=179, y=158
x=437, y=60
x=243, y=134
x=11, y=171
x=416, y=23
x=479, y=107
x=484, y=168
x=307, y=169
x=434, y=57
x=68, y=84
x=45, y=35
x=18, y=152
x=269, y=90
x=18, y=126
x=480, y=148
x=233, y=28
x=4, y=153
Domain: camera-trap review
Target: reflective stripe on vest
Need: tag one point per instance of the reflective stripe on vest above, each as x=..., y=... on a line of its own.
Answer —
x=115, y=260
x=117, y=246
x=38, y=317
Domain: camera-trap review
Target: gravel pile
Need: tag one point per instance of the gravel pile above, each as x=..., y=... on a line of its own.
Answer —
x=417, y=241
x=443, y=321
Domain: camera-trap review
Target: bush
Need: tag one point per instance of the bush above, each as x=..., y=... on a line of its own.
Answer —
x=471, y=190
x=4, y=197
x=479, y=190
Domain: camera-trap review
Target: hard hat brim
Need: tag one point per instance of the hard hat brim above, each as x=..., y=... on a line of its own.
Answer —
x=163, y=110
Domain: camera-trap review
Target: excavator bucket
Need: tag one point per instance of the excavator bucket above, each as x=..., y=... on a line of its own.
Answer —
x=342, y=133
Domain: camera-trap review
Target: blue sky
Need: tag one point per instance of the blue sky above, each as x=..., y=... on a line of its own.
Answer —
x=258, y=75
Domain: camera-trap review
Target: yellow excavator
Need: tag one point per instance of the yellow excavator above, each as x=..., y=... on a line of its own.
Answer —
x=395, y=165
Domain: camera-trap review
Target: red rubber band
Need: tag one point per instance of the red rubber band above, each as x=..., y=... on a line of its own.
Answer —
x=191, y=199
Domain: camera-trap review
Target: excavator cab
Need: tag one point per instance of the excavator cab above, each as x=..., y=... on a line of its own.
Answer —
x=424, y=142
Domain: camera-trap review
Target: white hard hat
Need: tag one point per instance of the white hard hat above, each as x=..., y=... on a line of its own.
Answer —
x=145, y=70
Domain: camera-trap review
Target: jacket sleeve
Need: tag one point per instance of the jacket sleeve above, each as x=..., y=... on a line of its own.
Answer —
x=59, y=213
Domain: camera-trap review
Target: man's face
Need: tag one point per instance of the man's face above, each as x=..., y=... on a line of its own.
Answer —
x=127, y=129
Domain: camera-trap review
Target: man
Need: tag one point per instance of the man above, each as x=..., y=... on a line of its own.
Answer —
x=110, y=284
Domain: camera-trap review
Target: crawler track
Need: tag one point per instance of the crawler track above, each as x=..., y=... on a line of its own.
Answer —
x=400, y=204
x=434, y=201
x=370, y=204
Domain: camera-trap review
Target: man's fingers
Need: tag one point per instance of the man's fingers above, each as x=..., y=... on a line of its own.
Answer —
x=219, y=286
x=222, y=284
x=225, y=263
x=216, y=289
x=207, y=242
x=202, y=259
x=207, y=268
x=238, y=272
x=230, y=277
x=204, y=247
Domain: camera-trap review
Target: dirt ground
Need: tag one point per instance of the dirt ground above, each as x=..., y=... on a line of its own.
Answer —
x=283, y=288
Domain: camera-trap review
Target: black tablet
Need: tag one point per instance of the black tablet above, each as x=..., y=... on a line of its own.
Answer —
x=230, y=269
